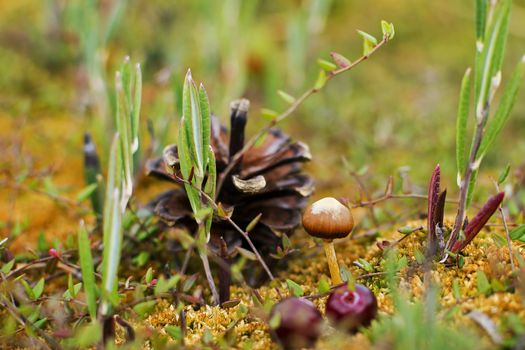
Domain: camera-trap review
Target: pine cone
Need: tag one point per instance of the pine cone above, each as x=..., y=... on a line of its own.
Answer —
x=267, y=180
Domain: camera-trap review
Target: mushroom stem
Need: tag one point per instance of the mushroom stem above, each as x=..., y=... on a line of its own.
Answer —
x=332, y=262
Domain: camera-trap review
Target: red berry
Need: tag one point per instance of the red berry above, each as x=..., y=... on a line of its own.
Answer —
x=299, y=323
x=53, y=252
x=351, y=309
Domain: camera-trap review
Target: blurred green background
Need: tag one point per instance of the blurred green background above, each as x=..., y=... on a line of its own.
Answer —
x=58, y=57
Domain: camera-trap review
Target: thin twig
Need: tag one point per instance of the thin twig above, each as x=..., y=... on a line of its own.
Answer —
x=251, y=142
x=507, y=234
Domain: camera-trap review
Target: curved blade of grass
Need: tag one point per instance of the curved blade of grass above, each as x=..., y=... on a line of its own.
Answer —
x=461, y=124
x=504, y=108
x=186, y=165
x=88, y=275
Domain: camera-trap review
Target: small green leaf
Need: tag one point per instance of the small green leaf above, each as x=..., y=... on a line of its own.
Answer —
x=369, y=42
x=286, y=97
x=7, y=267
x=164, y=285
x=269, y=114
x=38, y=289
x=149, y=275
x=88, y=335
x=420, y=257
x=86, y=192
x=286, y=242
x=246, y=253
x=321, y=80
x=175, y=332
x=518, y=234
x=294, y=288
x=387, y=29
x=145, y=308
x=188, y=283
x=503, y=175
x=324, y=285
x=28, y=289
x=326, y=65
x=253, y=223
x=483, y=283
x=275, y=321
x=365, y=265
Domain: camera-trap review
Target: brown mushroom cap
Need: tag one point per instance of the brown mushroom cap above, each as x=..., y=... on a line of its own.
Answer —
x=328, y=219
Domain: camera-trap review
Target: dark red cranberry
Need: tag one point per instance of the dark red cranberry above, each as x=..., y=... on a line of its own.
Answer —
x=350, y=309
x=299, y=323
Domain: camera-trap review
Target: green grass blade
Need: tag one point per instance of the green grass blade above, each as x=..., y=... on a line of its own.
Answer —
x=461, y=124
x=206, y=121
x=504, y=109
x=186, y=165
x=501, y=39
x=192, y=114
x=472, y=184
x=481, y=19
x=88, y=274
x=135, y=115
x=489, y=56
x=112, y=234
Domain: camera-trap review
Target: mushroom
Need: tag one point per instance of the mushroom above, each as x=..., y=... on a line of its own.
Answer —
x=329, y=219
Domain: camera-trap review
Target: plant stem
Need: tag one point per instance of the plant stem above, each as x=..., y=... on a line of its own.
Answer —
x=332, y=262
x=251, y=142
x=507, y=234
x=207, y=271
x=465, y=181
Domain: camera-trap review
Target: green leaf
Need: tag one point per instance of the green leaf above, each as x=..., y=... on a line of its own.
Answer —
x=491, y=58
x=483, y=283
x=175, y=332
x=481, y=18
x=503, y=175
x=145, y=308
x=7, y=267
x=518, y=234
x=269, y=114
x=28, y=289
x=294, y=288
x=286, y=97
x=88, y=335
x=324, y=285
x=366, y=265
x=137, y=100
x=387, y=29
x=502, y=113
x=38, y=289
x=321, y=80
x=326, y=65
x=86, y=192
x=461, y=123
x=275, y=321
x=164, y=285
x=420, y=257
x=87, y=269
x=246, y=253
x=471, y=187
x=191, y=109
x=253, y=223
x=149, y=275
x=369, y=42
x=206, y=123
